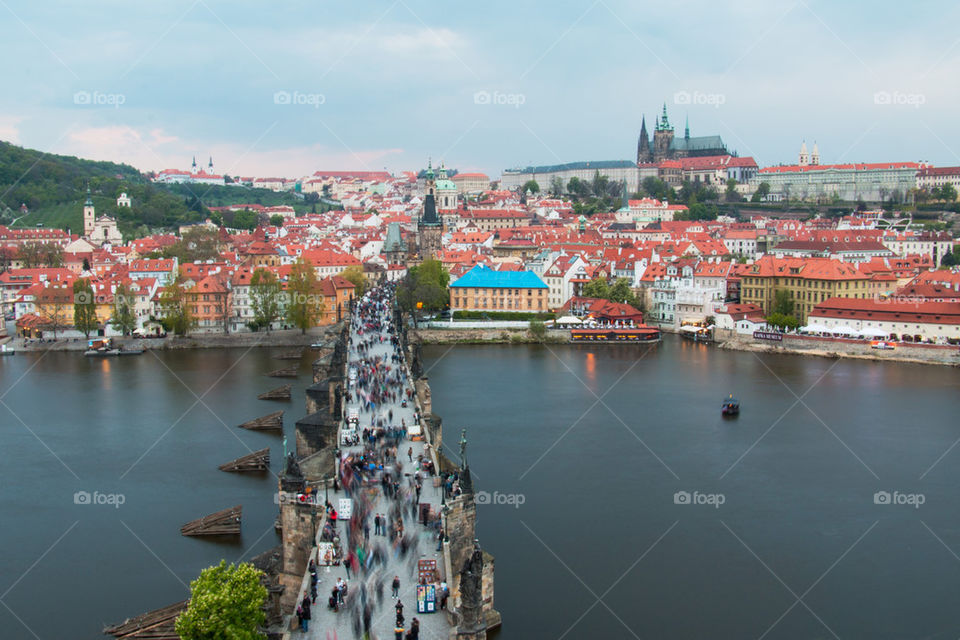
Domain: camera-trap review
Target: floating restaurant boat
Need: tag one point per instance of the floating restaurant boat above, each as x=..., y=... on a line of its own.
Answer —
x=637, y=335
x=731, y=406
x=696, y=333
x=104, y=347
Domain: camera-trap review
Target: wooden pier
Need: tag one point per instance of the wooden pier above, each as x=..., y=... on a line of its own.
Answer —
x=270, y=422
x=289, y=372
x=221, y=523
x=280, y=393
x=252, y=462
x=154, y=625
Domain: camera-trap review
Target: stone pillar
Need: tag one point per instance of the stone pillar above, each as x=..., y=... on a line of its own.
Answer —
x=422, y=387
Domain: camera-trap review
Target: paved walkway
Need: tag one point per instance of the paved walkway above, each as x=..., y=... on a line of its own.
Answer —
x=327, y=624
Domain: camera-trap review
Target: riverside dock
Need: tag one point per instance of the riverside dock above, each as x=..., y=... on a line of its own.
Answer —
x=340, y=465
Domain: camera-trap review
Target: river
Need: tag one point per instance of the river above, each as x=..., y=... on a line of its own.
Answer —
x=581, y=450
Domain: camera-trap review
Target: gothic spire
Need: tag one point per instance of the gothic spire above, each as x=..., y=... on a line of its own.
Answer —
x=686, y=128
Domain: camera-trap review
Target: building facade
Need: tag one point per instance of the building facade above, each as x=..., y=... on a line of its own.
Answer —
x=483, y=289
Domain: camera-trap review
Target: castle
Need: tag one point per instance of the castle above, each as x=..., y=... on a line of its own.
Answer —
x=667, y=147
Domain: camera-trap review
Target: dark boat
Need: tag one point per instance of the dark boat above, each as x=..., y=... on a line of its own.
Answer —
x=731, y=406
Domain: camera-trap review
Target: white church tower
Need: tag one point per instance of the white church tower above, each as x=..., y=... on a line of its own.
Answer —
x=815, y=158
x=89, y=217
x=804, y=159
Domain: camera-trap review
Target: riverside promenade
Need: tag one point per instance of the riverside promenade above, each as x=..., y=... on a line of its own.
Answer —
x=380, y=369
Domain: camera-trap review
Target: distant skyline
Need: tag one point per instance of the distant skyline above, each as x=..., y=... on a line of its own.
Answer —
x=290, y=89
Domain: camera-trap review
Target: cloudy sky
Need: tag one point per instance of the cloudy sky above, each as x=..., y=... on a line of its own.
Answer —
x=289, y=88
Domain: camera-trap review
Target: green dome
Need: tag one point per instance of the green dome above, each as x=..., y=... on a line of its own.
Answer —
x=445, y=185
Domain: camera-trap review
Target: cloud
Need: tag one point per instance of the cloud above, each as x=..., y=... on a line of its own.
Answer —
x=10, y=129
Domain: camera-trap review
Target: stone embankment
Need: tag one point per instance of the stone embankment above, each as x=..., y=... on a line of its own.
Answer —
x=284, y=338
x=844, y=348
x=485, y=336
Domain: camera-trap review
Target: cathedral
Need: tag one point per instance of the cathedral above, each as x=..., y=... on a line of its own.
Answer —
x=667, y=147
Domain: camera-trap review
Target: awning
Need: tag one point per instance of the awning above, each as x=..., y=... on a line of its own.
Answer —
x=690, y=329
x=873, y=332
x=814, y=328
x=569, y=320
x=842, y=330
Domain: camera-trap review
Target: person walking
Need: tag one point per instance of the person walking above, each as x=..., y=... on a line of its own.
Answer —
x=396, y=589
x=305, y=614
x=376, y=525
x=410, y=454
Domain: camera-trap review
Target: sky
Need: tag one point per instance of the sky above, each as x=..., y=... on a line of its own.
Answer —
x=286, y=89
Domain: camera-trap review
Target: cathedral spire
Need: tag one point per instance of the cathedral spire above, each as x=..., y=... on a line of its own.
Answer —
x=643, y=142
x=686, y=128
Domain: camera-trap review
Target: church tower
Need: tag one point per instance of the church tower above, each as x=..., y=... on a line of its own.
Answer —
x=193, y=167
x=210, y=166
x=815, y=158
x=804, y=158
x=643, y=143
x=430, y=225
x=662, y=137
x=89, y=216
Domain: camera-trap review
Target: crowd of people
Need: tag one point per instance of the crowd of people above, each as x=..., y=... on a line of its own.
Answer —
x=383, y=478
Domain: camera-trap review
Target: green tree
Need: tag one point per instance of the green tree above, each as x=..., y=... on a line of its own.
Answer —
x=424, y=287
x=621, y=292
x=304, y=301
x=531, y=186
x=763, y=190
x=556, y=186
x=226, y=603
x=123, y=318
x=84, y=308
x=599, y=184
x=783, y=302
x=266, y=298
x=276, y=220
x=538, y=330
x=244, y=219
x=198, y=243
x=596, y=288
x=40, y=254
x=578, y=187
x=782, y=321
x=354, y=274
x=175, y=308
x=659, y=189
x=948, y=193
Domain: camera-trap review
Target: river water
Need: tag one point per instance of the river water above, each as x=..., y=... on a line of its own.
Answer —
x=580, y=450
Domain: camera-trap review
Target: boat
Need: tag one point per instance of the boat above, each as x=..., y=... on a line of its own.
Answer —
x=102, y=347
x=731, y=406
x=5, y=351
x=696, y=334
x=641, y=334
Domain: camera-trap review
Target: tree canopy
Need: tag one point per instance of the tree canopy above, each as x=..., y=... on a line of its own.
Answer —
x=226, y=603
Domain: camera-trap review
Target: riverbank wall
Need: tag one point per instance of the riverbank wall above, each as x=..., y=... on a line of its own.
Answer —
x=281, y=338
x=944, y=355
x=496, y=335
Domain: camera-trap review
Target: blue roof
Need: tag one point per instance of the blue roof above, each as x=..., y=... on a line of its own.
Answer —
x=483, y=276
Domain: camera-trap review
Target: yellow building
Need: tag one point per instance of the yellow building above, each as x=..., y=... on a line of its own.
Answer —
x=809, y=281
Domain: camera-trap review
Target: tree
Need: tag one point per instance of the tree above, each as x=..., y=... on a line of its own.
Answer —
x=124, y=318
x=948, y=193
x=783, y=302
x=277, y=219
x=226, y=601
x=354, y=274
x=556, y=186
x=658, y=189
x=596, y=288
x=578, y=187
x=199, y=243
x=621, y=292
x=538, y=330
x=244, y=219
x=40, y=254
x=531, y=186
x=53, y=305
x=175, y=307
x=763, y=190
x=599, y=184
x=782, y=321
x=266, y=298
x=84, y=308
x=304, y=301
x=424, y=287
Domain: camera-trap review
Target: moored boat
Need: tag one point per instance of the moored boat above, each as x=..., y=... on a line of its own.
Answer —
x=637, y=335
